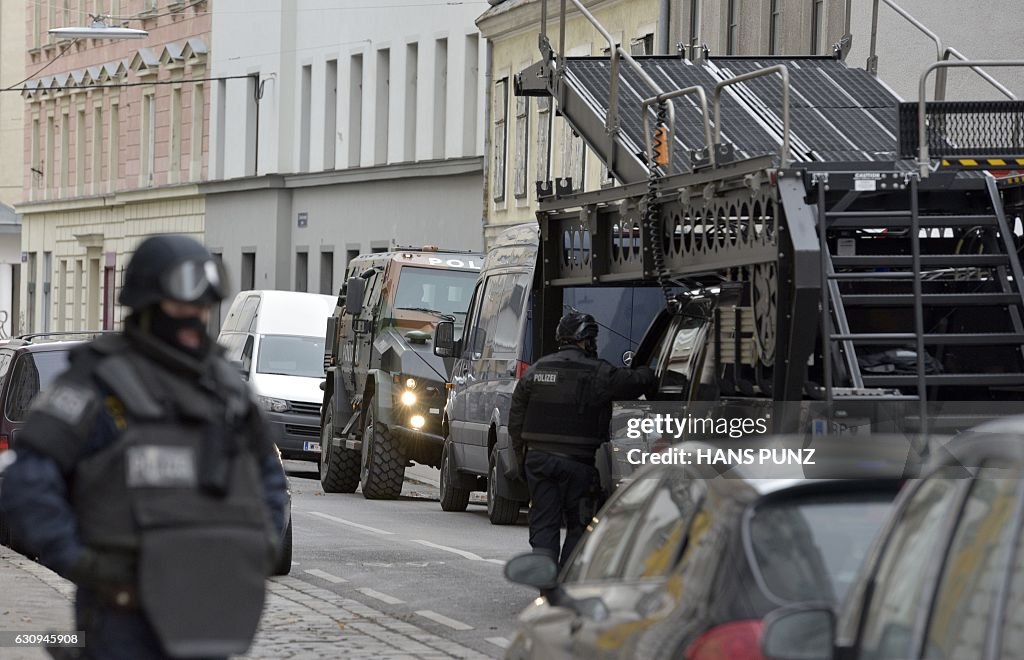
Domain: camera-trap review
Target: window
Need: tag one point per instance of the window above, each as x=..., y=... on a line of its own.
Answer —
x=48, y=164
x=522, y=139
x=148, y=140
x=732, y=27
x=80, y=144
x=92, y=303
x=37, y=25
x=65, y=154
x=247, y=281
x=817, y=28
x=287, y=355
x=246, y=316
x=902, y=570
x=443, y=291
x=305, y=110
x=573, y=156
x=440, y=96
x=327, y=272
x=30, y=293
x=222, y=127
x=196, y=140
x=643, y=45
x=660, y=538
x=694, y=27
x=175, y=147
x=412, y=58
x=382, y=109
x=775, y=27
x=62, y=295
x=33, y=373
x=302, y=271
x=600, y=553
x=500, y=137
x=355, y=110
x=109, y=299
x=97, y=149
x=801, y=555
x=513, y=307
x=76, y=297
x=481, y=343
x=114, y=169
x=975, y=569
x=330, y=113
x=685, y=355
x=350, y=254
x=37, y=166
x=543, y=138
x=252, y=83
x=47, y=289
x=471, y=80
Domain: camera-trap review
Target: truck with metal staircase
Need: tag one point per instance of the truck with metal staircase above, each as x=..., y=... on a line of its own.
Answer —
x=863, y=240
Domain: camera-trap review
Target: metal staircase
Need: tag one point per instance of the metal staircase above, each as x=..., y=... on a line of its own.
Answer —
x=876, y=267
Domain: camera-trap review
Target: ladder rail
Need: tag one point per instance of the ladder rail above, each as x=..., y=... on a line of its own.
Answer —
x=915, y=246
x=923, y=159
x=695, y=90
x=783, y=71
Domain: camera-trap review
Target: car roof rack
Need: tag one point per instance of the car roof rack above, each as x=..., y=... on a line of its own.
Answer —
x=90, y=333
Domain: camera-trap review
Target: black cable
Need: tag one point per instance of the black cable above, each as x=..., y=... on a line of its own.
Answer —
x=44, y=68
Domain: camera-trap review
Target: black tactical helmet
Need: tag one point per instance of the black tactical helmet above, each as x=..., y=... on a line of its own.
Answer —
x=172, y=267
x=575, y=327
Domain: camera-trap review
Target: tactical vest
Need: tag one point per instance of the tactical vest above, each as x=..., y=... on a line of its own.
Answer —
x=566, y=411
x=180, y=489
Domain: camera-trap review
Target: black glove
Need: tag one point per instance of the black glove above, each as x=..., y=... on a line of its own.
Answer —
x=95, y=569
x=516, y=471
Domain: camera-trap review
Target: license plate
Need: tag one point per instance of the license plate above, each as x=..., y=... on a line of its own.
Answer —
x=311, y=446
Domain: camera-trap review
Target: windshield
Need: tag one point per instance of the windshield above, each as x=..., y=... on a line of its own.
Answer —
x=810, y=547
x=444, y=291
x=288, y=355
x=33, y=373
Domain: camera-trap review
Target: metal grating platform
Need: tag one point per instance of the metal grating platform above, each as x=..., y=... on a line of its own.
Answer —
x=837, y=113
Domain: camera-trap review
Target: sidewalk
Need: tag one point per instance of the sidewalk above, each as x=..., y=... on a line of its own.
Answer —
x=300, y=620
x=35, y=600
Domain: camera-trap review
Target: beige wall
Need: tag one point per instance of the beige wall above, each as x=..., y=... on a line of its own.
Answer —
x=514, y=44
x=107, y=229
x=12, y=69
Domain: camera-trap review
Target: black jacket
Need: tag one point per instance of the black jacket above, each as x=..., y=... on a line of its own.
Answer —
x=563, y=403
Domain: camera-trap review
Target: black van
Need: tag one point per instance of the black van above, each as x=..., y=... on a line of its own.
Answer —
x=495, y=349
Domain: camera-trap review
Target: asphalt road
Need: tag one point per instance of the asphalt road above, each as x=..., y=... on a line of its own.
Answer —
x=408, y=558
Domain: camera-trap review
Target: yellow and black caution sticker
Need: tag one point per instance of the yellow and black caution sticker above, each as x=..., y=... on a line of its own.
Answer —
x=983, y=163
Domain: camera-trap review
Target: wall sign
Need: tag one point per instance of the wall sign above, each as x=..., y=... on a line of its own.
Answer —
x=303, y=219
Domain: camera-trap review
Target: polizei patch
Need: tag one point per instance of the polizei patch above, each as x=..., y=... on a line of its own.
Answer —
x=154, y=466
x=545, y=377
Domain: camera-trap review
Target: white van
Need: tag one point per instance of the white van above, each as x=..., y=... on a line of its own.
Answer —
x=278, y=337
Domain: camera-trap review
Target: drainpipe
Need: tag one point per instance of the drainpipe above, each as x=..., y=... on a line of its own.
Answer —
x=489, y=60
x=664, y=31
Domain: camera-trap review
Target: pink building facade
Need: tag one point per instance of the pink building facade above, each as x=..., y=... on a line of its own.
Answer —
x=116, y=142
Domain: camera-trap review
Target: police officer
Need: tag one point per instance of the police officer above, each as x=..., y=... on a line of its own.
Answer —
x=560, y=413
x=147, y=477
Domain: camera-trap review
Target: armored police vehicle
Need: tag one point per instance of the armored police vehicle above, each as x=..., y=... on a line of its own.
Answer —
x=385, y=390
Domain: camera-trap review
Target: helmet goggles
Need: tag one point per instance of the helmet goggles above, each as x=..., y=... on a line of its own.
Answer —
x=196, y=281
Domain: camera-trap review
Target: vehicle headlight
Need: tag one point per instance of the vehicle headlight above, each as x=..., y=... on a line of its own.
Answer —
x=271, y=404
x=410, y=383
x=417, y=421
x=408, y=398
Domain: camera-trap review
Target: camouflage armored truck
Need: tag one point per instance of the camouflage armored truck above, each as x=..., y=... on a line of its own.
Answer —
x=385, y=389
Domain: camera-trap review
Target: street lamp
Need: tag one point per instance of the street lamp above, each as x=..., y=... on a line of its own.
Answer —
x=98, y=30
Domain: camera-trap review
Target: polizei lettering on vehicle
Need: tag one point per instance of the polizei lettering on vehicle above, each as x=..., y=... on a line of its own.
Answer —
x=454, y=263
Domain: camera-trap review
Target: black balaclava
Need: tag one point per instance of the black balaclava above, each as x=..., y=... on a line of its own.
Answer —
x=165, y=328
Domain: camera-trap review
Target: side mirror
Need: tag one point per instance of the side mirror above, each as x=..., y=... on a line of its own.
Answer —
x=534, y=569
x=240, y=368
x=356, y=291
x=444, y=339
x=799, y=632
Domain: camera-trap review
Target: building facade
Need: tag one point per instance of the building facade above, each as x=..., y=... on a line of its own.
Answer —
x=530, y=143
x=115, y=144
x=12, y=70
x=358, y=128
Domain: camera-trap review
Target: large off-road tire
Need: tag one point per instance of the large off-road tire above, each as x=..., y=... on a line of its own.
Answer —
x=284, y=560
x=500, y=510
x=339, y=467
x=452, y=497
x=383, y=464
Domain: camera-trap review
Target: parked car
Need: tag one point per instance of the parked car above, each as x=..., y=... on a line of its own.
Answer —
x=277, y=340
x=494, y=350
x=28, y=366
x=945, y=579
x=681, y=565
